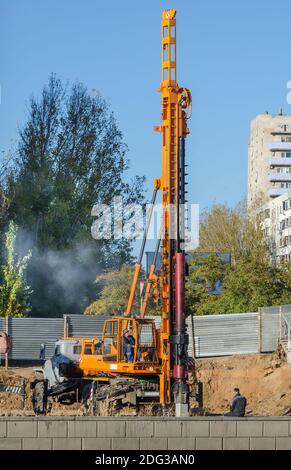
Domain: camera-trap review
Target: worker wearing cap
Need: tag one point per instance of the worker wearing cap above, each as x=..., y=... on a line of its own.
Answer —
x=128, y=345
x=238, y=404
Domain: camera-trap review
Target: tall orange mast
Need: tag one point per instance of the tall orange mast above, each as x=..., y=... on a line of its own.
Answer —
x=176, y=109
x=176, y=102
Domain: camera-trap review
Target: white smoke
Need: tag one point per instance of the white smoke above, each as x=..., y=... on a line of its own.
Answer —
x=64, y=278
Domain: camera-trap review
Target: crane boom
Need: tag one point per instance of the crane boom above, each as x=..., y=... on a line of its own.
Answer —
x=137, y=269
x=151, y=278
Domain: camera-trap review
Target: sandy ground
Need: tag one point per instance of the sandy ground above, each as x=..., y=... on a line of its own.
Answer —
x=264, y=379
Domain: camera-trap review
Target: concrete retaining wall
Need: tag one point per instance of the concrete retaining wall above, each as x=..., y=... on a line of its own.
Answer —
x=144, y=433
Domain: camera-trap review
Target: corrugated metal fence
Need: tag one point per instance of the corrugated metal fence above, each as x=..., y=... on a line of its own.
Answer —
x=212, y=335
x=85, y=326
x=29, y=333
x=220, y=335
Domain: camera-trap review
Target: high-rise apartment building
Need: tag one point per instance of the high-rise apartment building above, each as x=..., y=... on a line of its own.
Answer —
x=269, y=157
x=275, y=218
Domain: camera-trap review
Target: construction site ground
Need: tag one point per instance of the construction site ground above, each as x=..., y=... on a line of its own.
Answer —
x=264, y=379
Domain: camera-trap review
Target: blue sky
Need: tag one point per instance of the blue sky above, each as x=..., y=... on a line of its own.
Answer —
x=234, y=56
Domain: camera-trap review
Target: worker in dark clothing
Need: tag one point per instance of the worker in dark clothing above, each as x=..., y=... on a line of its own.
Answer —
x=238, y=405
x=128, y=345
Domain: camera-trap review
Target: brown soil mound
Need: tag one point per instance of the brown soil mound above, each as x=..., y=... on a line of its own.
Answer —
x=12, y=405
x=263, y=379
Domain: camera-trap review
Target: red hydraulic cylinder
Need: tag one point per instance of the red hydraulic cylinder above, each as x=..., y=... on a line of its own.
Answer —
x=179, y=371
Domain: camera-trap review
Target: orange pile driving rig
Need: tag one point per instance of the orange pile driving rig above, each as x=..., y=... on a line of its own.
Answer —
x=157, y=353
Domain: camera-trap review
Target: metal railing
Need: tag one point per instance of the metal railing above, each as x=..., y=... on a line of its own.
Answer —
x=285, y=330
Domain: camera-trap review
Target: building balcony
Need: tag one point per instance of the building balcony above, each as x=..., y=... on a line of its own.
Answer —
x=280, y=146
x=280, y=177
x=274, y=192
x=279, y=161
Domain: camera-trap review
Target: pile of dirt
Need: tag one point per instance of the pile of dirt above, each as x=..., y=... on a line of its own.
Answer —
x=264, y=379
x=13, y=405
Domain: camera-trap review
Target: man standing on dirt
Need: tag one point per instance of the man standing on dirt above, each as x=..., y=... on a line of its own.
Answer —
x=128, y=345
x=238, y=404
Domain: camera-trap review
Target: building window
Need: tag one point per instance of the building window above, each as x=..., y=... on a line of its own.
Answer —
x=285, y=169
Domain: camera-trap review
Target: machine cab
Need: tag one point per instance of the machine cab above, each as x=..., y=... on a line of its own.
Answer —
x=129, y=340
x=127, y=344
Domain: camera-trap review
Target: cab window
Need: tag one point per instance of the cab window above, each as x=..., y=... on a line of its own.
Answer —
x=88, y=349
x=98, y=348
x=77, y=349
x=110, y=341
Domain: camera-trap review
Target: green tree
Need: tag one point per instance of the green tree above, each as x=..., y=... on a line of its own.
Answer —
x=3, y=210
x=204, y=274
x=233, y=230
x=14, y=291
x=246, y=286
x=5, y=171
x=252, y=284
x=251, y=281
x=71, y=156
x=114, y=293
